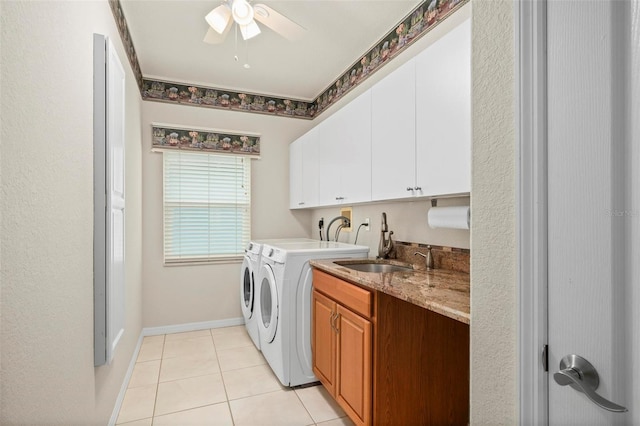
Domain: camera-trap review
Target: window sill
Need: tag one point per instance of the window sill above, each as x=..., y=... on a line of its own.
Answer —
x=194, y=262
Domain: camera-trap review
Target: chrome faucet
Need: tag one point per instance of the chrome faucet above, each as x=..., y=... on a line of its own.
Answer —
x=386, y=250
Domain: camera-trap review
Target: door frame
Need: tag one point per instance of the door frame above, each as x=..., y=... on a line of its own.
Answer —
x=530, y=28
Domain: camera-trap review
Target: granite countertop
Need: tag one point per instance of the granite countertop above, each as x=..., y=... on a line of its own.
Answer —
x=440, y=290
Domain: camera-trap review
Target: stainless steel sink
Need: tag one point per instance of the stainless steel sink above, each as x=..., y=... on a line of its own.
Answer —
x=374, y=266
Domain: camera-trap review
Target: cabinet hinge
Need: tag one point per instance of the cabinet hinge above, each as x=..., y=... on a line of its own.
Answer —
x=545, y=357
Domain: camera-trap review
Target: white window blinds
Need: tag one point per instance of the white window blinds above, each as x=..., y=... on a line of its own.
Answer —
x=207, y=206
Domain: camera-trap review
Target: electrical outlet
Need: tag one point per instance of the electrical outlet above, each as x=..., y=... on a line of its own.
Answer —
x=368, y=227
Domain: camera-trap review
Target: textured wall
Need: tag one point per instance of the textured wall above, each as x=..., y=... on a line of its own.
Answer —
x=184, y=294
x=47, y=372
x=494, y=392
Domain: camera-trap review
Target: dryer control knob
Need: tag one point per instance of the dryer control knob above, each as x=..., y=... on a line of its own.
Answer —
x=250, y=246
x=271, y=253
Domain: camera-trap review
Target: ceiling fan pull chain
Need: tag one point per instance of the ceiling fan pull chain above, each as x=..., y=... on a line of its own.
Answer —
x=235, y=29
x=246, y=64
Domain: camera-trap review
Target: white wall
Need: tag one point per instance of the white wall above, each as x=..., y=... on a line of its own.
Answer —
x=494, y=392
x=407, y=220
x=46, y=254
x=185, y=294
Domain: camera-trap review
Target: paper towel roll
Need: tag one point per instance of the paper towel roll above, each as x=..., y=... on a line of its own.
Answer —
x=449, y=217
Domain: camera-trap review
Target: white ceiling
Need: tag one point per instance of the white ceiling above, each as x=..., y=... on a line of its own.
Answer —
x=168, y=39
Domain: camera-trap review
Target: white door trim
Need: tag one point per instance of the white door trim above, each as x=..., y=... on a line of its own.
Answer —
x=531, y=125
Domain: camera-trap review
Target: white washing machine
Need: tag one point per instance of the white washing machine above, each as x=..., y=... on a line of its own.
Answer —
x=284, y=308
x=248, y=277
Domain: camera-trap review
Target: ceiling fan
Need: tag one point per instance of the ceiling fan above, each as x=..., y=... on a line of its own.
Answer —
x=245, y=16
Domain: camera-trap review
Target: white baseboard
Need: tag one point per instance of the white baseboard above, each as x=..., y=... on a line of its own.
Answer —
x=155, y=331
x=192, y=326
x=125, y=383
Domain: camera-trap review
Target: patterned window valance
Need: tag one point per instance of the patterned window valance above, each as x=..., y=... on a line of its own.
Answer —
x=167, y=137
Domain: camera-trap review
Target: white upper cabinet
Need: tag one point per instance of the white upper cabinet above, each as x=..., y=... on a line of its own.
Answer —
x=345, y=154
x=303, y=171
x=295, y=175
x=408, y=136
x=443, y=113
x=393, y=136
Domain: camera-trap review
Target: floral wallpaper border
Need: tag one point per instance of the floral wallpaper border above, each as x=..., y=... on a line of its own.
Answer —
x=204, y=140
x=209, y=97
x=127, y=41
x=424, y=17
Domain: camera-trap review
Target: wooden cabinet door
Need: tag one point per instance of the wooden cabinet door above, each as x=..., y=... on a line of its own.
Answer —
x=443, y=112
x=393, y=118
x=323, y=340
x=353, y=391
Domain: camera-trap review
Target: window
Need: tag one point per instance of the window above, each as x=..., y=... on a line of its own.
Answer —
x=207, y=206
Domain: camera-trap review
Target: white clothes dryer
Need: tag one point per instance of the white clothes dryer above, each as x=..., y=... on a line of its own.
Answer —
x=248, y=277
x=284, y=309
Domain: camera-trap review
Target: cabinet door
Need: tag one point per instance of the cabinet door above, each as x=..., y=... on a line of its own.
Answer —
x=354, y=123
x=295, y=175
x=353, y=390
x=329, y=132
x=310, y=149
x=323, y=340
x=303, y=171
x=393, y=134
x=443, y=108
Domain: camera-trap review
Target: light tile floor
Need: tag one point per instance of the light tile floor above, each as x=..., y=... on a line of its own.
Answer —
x=217, y=377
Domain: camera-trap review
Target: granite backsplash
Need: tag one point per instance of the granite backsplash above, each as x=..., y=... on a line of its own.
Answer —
x=449, y=258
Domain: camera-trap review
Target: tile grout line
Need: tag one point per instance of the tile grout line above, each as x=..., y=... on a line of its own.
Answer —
x=304, y=406
x=224, y=386
x=155, y=400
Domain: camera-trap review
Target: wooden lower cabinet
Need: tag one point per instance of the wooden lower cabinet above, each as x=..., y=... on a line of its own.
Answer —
x=323, y=345
x=421, y=372
x=387, y=361
x=353, y=387
x=341, y=344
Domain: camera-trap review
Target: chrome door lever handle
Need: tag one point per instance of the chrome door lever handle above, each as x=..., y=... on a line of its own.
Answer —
x=578, y=373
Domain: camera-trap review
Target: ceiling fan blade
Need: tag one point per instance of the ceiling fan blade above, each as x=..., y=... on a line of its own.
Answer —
x=212, y=36
x=219, y=18
x=278, y=22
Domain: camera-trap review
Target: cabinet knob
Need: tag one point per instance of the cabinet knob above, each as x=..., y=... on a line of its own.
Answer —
x=418, y=188
x=339, y=198
x=409, y=188
x=301, y=203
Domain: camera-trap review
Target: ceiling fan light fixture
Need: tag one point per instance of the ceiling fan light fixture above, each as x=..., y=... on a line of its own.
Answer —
x=219, y=18
x=242, y=12
x=250, y=30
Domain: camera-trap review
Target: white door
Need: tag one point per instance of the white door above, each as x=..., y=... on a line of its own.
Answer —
x=593, y=76
x=109, y=243
x=115, y=200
